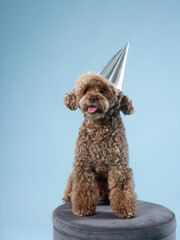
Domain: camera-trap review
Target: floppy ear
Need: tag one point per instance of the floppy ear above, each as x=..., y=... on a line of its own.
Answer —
x=70, y=100
x=126, y=105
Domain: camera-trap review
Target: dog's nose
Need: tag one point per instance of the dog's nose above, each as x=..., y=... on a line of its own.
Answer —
x=93, y=99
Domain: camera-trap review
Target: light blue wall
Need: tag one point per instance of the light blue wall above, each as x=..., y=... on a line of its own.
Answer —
x=44, y=47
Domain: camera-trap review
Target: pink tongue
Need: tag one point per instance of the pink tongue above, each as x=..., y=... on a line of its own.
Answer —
x=92, y=109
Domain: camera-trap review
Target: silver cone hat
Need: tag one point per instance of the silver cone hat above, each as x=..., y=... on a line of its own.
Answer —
x=115, y=68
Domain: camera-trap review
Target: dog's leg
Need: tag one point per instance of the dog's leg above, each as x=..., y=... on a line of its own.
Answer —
x=67, y=194
x=122, y=196
x=84, y=192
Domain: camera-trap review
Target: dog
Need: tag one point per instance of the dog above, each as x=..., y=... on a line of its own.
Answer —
x=101, y=167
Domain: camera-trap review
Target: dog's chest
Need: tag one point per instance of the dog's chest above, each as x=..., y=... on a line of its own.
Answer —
x=104, y=148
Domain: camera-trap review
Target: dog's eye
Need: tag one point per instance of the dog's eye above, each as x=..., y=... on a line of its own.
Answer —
x=104, y=90
x=86, y=90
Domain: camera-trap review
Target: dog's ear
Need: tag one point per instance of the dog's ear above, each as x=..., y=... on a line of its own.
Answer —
x=70, y=100
x=126, y=104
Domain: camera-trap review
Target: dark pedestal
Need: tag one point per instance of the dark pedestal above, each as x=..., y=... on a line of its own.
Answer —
x=153, y=222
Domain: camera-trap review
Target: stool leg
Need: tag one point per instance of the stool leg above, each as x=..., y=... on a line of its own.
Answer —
x=122, y=196
x=84, y=192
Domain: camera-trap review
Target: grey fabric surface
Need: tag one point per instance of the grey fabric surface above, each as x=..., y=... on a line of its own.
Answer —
x=152, y=222
x=60, y=236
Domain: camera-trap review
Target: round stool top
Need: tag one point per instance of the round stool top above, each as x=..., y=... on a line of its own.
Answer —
x=153, y=221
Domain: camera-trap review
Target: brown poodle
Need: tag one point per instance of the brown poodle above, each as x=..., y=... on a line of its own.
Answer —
x=100, y=169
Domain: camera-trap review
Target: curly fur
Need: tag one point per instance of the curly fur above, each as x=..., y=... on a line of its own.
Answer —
x=101, y=167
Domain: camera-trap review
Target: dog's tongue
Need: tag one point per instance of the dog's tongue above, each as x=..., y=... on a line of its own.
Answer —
x=92, y=109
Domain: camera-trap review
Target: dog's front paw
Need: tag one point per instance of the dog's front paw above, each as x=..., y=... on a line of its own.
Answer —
x=123, y=205
x=126, y=210
x=83, y=210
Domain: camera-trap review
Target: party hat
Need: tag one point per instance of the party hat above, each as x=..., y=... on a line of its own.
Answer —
x=114, y=69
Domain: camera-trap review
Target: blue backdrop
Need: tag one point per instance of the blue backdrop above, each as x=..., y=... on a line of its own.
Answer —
x=45, y=45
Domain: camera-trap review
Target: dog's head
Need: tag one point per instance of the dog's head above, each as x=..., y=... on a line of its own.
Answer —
x=97, y=97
